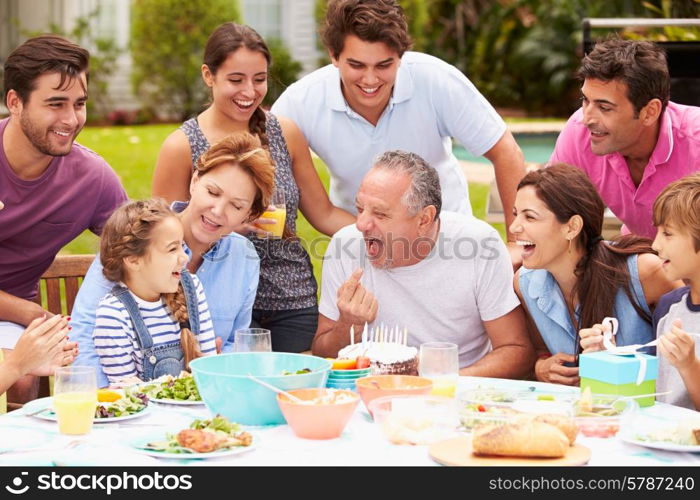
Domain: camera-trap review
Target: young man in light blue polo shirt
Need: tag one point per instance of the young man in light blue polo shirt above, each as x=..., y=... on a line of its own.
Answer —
x=377, y=97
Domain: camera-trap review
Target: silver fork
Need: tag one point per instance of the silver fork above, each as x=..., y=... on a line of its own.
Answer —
x=35, y=412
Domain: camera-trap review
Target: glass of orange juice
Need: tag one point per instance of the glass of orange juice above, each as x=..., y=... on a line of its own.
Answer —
x=277, y=211
x=75, y=399
x=439, y=361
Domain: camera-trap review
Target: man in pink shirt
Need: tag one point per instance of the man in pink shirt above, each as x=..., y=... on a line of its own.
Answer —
x=628, y=137
x=52, y=188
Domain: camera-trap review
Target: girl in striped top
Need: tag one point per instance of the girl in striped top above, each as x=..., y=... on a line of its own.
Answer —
x=156, y=319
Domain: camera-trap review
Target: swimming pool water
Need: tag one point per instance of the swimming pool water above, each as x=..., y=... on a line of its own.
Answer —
x=537, y=148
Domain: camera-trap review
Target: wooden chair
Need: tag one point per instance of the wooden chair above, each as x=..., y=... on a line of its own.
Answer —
x=66, y=270
x=69, y=269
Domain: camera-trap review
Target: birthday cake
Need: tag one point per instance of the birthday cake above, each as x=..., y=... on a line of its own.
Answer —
x=386, y=358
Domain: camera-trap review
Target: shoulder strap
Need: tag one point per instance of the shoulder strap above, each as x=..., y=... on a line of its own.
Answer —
x=143, y=337
x=198, y=142
x=635, y=283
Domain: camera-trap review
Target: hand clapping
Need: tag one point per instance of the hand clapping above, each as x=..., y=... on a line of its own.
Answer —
x=44, y=346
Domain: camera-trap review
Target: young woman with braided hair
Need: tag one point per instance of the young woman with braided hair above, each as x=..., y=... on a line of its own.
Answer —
x=232, y=185
x=572, y=278
x=236, y=62
x=143, y=327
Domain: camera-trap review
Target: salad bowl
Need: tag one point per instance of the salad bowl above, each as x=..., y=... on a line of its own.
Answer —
x=226, y=388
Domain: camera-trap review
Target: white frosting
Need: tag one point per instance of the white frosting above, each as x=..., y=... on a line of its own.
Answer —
x=382, y=352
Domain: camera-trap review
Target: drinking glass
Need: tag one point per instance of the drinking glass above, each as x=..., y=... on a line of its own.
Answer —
x=75, y=398
x=252, y=340
x=277, y=210
x=439, y=361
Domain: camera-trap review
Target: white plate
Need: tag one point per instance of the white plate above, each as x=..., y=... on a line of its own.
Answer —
x=662, y=445
x=48, y=413
x=143, y=440
x=15, y=437
x=177, y=402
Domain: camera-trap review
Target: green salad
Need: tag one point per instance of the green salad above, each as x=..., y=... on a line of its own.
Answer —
x=298, y=372
x=477, y=414
x=203, y=436
x=181, y=388
x=134, y=401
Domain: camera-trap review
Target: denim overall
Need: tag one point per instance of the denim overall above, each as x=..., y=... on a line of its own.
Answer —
x=165, y=359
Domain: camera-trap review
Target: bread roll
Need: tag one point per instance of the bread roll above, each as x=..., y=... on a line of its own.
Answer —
x=564, y=424
x=524, y=439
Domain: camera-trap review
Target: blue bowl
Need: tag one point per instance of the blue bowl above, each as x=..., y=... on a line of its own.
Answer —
x=226, y=389
x=341, y=385
x=342, y=374
x=358, y=372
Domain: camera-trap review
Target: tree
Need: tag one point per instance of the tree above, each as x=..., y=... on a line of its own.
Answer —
x=283, y=71
x=167, y=47
x=520, y=53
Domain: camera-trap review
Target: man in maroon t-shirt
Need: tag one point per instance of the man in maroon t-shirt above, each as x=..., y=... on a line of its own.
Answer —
x=52, y=188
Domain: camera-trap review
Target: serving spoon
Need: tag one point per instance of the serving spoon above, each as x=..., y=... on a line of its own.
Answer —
x=292, y=397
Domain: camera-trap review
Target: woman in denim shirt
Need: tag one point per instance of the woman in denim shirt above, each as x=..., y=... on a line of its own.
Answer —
x=571, y=278
x=232, y=185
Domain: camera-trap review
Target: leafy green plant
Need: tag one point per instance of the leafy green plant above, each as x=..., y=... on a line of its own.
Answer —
x=283, y=72
x=524, y=53
x=167, y=44
x=669, y=9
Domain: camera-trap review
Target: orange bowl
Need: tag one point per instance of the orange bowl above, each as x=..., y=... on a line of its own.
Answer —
x=322, y=417
x=391, y=385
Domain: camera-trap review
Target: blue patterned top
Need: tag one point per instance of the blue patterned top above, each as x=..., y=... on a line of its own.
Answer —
x=286, y=276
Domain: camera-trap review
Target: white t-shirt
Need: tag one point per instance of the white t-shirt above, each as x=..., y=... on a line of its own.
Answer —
x=467, y=279
x=676, y=304
x=432, y=102
x=9, y=334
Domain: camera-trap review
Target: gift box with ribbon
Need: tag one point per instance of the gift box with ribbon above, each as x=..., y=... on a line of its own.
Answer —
x=622, y=375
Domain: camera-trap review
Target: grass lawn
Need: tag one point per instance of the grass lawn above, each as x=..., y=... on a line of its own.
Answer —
x=132, y=152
